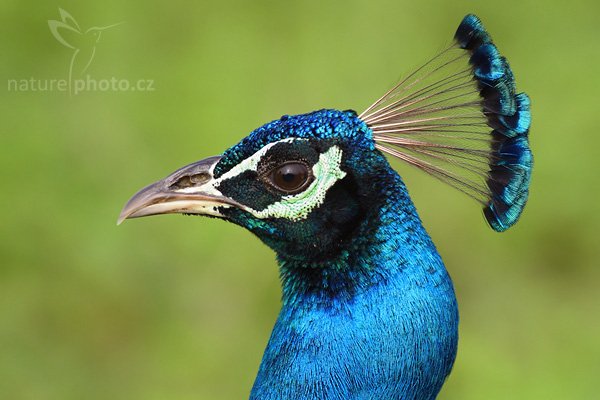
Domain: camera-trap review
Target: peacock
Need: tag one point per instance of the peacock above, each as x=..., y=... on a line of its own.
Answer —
x=368, y=309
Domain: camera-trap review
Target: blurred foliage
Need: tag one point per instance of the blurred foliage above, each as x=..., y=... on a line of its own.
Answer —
x=181, y=308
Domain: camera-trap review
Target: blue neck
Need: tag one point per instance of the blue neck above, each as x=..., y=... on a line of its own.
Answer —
x=378, y=322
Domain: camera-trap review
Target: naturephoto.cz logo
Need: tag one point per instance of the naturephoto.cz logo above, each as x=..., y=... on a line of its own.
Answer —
x=83, y=45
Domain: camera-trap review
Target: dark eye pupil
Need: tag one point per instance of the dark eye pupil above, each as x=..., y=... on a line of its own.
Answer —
x=290, y=176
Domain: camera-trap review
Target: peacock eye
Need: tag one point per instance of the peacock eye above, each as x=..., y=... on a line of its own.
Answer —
x=290, y=177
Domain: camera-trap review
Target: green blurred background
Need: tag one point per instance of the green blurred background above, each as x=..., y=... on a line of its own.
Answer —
x=181, y=308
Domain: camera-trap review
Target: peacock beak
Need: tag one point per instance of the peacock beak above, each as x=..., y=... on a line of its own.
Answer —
x=189, y=190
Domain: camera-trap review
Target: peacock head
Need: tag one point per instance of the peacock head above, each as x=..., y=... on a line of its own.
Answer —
x=307, y=184
x=304, y=184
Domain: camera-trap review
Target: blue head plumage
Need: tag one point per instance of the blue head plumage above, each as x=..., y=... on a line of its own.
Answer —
x=336, y=142
x=368, y=308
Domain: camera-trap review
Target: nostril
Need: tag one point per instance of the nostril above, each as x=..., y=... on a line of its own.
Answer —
x=200, y=178
x=181, y=183
x=190, y=180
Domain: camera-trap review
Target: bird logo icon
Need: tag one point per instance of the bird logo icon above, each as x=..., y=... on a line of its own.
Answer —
x=82, y=42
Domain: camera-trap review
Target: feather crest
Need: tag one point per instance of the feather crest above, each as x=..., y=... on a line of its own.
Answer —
x=458, y=118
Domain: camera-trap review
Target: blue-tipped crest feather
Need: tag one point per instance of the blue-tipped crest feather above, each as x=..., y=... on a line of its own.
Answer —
x=471, y=33
x=519, y=122
x=511, y=159
x=487, y=63
x=502, y=216
x=499, y=97
x=512, y=170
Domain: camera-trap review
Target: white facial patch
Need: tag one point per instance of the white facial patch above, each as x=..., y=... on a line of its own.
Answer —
x=249, y=164
x=295, y=207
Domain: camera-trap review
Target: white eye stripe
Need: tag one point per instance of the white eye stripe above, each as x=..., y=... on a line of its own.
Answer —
x=327, y=171
x=297, y=207
x=249, y=164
